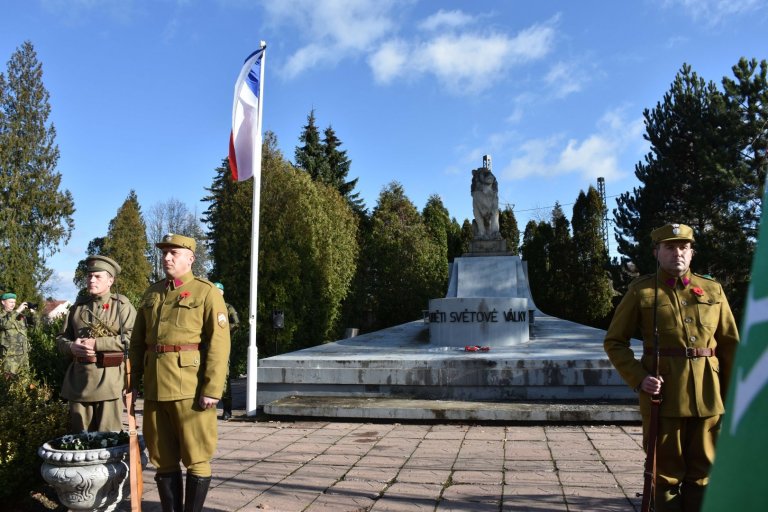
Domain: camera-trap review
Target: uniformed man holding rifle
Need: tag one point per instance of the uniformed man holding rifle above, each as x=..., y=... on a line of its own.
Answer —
x=683, y=371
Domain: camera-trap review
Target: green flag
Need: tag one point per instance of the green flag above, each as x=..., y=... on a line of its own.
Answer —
x=740, y=472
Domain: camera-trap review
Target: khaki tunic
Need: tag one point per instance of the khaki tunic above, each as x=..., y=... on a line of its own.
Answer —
x=90, y=382
x=692, y=386
x=14, y=345
x=191, y=311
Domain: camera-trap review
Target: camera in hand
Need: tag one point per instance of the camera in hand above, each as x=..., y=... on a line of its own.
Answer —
x=32, y=305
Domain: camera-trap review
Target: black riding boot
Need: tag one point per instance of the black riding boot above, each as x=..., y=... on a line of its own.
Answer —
x=169, y=486
x=227, y=413
x=197, y=490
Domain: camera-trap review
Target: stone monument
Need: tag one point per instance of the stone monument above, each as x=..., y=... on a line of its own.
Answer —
x=485, y=207
x=488, y=302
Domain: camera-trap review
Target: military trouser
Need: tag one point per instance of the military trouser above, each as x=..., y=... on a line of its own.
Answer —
x=180, y=430
x=685, y=451
x=101, y=416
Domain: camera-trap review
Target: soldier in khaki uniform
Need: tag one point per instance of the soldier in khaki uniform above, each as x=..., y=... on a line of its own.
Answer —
x=14, y=345
x=697, y=342
x=180, y=346
x=91, y=339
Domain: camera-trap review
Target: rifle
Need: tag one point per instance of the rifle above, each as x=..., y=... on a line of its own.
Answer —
x=649, y=473
x=134, y=450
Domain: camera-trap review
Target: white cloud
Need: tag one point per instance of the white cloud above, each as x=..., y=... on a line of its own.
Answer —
x=566, y=78
x=334, y=29
x=598, y=154
x=446, y=20
x=464, y=63
x=713, y=12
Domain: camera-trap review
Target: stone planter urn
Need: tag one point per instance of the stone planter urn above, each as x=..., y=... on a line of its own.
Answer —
x=89, y=479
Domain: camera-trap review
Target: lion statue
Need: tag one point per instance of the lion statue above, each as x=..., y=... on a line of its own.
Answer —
x=485, y=203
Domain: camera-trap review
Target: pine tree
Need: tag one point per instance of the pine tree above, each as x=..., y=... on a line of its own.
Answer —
x=35, y=215
x=701, y=172
x=537, y=239
x=437, y=221
x=126, y=243
x=338, y=169
x=591, y=261
x=508, y=229
x=311, y=157
x=455, y=248
x=467, y=235
x=562, y=268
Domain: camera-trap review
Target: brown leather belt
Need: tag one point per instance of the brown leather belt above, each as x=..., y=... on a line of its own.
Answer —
x=85, y=360
x=172, y=348
x=689, y=352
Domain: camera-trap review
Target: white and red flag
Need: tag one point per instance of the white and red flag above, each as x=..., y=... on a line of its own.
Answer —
x=245, y=139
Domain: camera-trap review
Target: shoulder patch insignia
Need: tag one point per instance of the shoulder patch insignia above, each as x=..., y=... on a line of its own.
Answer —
x=221, y=318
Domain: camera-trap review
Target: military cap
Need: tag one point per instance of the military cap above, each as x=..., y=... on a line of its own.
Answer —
x=97, y=263
x=8, y=295
x=672, y=232
x=219, y=286
x=173, y=240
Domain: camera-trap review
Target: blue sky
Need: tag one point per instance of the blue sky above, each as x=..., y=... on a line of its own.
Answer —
x=417, y=91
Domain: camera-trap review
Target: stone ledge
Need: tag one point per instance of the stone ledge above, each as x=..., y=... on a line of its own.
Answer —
x=442, y=410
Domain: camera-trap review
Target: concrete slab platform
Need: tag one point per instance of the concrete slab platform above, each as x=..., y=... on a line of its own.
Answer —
x=451, y=410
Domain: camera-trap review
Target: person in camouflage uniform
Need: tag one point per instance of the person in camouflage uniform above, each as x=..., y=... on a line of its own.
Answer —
x=14, y=345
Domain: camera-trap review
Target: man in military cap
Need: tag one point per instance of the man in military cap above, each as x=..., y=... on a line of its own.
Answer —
x=697, y=340
x=14, y=345
x=234, y=321
x=180, y=346
x=94, y=337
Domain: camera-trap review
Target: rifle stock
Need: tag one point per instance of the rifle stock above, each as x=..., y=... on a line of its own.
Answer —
x=649, y=472
x=134, y=450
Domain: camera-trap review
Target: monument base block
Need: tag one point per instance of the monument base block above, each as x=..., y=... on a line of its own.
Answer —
x=487, y=321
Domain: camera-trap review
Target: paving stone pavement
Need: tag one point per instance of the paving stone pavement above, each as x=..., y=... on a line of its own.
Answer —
x=321, y=465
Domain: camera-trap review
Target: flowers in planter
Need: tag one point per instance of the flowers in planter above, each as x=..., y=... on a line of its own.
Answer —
x=90, y=440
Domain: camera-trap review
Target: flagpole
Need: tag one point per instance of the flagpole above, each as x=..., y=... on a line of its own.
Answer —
x=253, y=350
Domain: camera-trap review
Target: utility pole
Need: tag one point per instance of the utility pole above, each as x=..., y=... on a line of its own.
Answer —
x=604, y=223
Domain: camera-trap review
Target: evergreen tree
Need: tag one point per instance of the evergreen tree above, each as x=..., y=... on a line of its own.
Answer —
x=509, y=230
x=126, y=243
x=338, y=168
x=438, y=223
x=701, y=172
x=35, y=215
x=591, y=281
x=307, y=250
x=311, y=157
x=407, y=268
x=455, y=243
x=326, y=163
x=467, y=235
x=562, y=295
x=537, y=239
